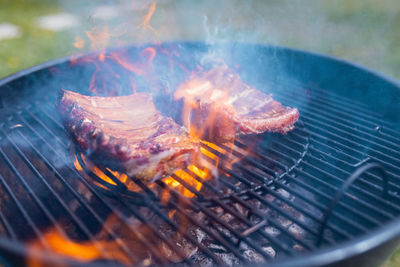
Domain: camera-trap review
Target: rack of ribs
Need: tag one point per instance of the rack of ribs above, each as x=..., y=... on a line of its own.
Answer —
x=128, y=132
x=220, y=106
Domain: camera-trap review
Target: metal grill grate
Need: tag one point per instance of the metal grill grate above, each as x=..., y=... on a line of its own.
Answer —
x=270, y=205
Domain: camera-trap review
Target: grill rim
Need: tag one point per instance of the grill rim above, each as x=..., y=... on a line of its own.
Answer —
x=322, y=257
x=387, y=234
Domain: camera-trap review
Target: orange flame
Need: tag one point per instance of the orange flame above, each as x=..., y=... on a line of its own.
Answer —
x=207, y=111
x=203, y=174
x=83, y=251
x=188, y=179
x=122, y=177
x=199, y=120
x=100, y=38
x=146, y=21
x=79, y=42
x=102, y=247
x=147, y=55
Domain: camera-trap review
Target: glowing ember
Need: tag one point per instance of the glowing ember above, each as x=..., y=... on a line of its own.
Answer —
x=171, y=214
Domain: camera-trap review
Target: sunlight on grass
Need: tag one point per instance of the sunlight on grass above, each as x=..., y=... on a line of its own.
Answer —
x=35, y=45
x=394, y=261
x=364, y=31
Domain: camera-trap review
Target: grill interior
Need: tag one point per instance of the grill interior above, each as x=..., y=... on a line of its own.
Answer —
x=272, y=205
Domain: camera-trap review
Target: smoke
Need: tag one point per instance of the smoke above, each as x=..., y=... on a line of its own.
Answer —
x=356, y=30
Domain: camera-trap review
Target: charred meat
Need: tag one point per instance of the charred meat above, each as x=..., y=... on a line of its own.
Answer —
x=128, y=132
x=218, y=105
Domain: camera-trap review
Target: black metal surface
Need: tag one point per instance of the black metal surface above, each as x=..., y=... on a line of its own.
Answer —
x=307, y=195
x=355, y=175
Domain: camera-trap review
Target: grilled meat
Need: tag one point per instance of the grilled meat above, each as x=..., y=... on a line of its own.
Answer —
x=219, y=105
x=128, y=132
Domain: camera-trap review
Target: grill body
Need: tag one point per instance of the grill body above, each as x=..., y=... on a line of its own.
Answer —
x=350, y=117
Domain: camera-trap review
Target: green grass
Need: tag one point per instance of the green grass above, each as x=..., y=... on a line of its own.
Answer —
x=364, y=31
x=35, y=45
x=394, y=261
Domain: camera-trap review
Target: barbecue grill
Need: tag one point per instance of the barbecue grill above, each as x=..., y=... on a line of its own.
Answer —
x=326, y=193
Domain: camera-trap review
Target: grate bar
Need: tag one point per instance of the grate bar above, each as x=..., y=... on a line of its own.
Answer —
x=362, y=181
x=282, y=212
x=352, y=143
x=380, y=199
x=282, y=246
x=191, y=239
x=343, y=218
x=344, y=163
x=323, y=208
x=228, y=227
x=44, y=126
x=356, y=127
x=332, y=203
x=167, y=241
x=350, y=149
x=310, y=215
x=6, y=224
x=274, y=223
x=75, y=219
x=204, y=182
x=352, y=166
x=79, y=198
x=141, y=218
x=45, y=110
x=123, y=219
x=157, y=210
x=23, y=212
x=197, y=206
x=154, y=252
x=319, y=109
x=265, y=235
x=336, y=130
x=294, y=192
x=343, y=101
x=393, y=176
x=218, y=238
x=344, y=110
x=254, y=174
x=297, y=153
x=26, y=186
x=245, y=221
x=363, y=114
x=277, y=225
x=297, y=181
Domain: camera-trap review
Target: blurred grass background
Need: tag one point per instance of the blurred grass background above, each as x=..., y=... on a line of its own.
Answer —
x=363, y=31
